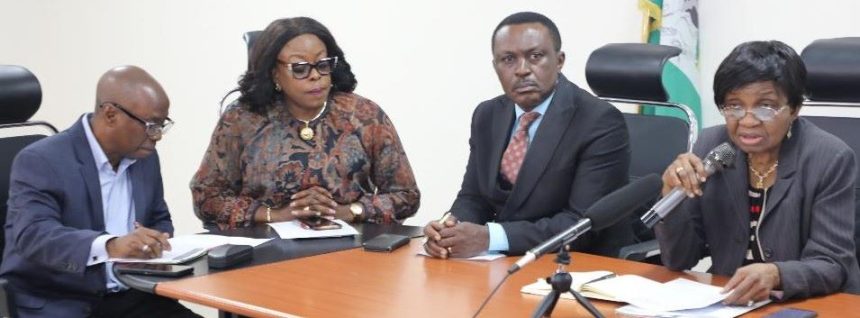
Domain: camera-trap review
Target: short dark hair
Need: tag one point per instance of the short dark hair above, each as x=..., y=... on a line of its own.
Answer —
x=530, y=17
x=761, y=61
x=257, y=85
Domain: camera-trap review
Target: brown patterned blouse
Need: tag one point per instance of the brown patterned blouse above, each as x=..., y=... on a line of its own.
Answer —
x=253, y=159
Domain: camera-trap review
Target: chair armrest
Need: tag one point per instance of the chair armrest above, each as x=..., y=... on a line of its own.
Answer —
x=640, y=251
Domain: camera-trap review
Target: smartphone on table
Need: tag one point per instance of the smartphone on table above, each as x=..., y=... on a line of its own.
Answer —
x=165, y=270
x=319, y=223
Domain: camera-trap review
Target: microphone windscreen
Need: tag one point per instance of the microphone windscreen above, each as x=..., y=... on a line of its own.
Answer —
x=622, y=202
x=723, y=155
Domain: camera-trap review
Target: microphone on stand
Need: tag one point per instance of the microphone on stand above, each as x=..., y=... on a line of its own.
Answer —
x=721, y=157
x=602, y=214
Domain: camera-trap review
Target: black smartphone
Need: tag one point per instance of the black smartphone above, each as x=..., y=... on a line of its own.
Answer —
x=319, y=223
x=385, y=242
x=165, y=270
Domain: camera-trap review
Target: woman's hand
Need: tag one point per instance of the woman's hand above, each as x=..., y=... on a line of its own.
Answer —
x=687, y=172
x=314, y=201
x=751, y=283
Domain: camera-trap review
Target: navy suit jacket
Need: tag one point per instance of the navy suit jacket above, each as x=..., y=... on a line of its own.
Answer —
x=55, y=213
x=579, y=154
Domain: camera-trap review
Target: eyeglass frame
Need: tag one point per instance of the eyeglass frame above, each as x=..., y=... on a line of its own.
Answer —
x=150, y=128
x=312, y=66
x=726, y=109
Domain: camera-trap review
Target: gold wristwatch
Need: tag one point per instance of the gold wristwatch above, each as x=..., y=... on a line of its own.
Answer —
x=357, y=210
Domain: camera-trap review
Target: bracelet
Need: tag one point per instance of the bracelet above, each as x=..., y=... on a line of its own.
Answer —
x=268, y=213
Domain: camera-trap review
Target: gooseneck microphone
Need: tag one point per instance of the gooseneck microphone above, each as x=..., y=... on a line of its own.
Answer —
x=721, y=157
x=602, y=214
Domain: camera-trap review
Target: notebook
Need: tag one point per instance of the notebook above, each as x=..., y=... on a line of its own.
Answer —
x=678, y=294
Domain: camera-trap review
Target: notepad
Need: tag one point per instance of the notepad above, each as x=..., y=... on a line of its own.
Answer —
x=679, y=294
x=580, y=283
x=189, y=247
x=174, y=256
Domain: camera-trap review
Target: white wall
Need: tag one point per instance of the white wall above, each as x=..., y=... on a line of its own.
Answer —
x=426, y=63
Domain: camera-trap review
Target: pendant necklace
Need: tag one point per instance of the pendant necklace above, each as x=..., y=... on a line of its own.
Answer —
x=762, y=176
x=307, y=133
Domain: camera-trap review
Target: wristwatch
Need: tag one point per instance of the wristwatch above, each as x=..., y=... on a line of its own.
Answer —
x=357, y=210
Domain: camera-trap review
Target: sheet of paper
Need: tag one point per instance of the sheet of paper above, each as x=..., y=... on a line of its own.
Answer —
x=483, y=257
x=678, y=294
x=188, y=247
x=717, y=310
x=294, y=230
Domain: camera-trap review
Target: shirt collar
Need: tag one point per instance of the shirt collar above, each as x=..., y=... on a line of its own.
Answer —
x=540, y=109
x=98, y=153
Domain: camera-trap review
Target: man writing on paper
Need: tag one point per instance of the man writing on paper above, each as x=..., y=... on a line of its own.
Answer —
x=88, y=194
x=539, y=155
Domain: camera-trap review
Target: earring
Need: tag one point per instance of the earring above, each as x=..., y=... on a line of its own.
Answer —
x=277, y=86
x=790, y=126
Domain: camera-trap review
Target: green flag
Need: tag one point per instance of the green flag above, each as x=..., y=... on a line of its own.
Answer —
x=675, y=23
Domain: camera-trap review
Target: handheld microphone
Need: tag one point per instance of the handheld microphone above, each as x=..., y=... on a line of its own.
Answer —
x=721, y=157
x=602, y=214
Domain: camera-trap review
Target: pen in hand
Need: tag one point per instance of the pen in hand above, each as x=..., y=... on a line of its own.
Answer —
x=442, y=221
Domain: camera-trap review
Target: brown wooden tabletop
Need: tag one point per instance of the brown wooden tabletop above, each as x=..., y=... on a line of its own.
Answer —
x=356, y=283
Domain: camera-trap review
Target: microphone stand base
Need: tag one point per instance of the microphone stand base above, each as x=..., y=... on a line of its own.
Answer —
x=561, y=281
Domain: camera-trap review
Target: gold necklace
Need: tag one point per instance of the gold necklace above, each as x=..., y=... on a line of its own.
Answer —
x=762, y=176
x=306, y=133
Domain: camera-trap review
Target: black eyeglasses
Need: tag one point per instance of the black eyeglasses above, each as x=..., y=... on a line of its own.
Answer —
x=152, y=129
x=302, y=70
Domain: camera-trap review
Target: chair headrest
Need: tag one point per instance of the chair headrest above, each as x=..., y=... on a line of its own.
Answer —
x=833, y=70
x=20, y=94
x=629, y=71
x=250, y=38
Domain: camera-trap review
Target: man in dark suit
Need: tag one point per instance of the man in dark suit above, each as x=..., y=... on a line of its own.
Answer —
x=91, y=193
x=540, y=154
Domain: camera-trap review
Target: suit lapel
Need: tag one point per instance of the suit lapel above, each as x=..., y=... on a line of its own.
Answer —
x=137, y=195
x=736, y=179
x=788, y=157
x=544, y=143
x=502, y=119
x=89, y=174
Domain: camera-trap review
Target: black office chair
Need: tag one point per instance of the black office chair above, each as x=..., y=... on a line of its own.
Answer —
x=833, y=80
x=631, y=73
x=20, y=98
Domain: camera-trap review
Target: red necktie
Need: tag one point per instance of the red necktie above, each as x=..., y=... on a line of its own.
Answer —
x=516, y=152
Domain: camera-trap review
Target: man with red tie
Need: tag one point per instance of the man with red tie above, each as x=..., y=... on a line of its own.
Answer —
x=540, y=154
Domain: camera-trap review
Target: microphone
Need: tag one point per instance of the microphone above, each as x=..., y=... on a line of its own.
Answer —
x=721, y=157
x=602, y=214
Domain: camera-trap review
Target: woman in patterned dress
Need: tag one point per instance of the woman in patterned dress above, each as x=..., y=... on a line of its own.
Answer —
x=300, y=144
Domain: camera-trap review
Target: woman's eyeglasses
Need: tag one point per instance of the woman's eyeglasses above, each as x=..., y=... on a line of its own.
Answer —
x=302, y=70
x=762, y=113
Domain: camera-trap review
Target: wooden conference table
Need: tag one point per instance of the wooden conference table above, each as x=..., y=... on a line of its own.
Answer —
x=356, y=283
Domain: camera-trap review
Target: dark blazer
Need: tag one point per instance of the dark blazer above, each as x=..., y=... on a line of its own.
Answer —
x=55, y=213
x=579, y=153
x=807, y=229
